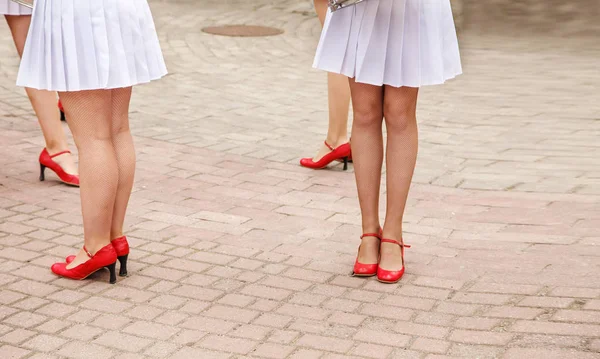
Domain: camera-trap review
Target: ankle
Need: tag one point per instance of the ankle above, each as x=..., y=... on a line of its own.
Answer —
x=93, y=248
x=393, y=233
x=336, y=141
x=116, y=234
x=56, y=148
x=372, y=228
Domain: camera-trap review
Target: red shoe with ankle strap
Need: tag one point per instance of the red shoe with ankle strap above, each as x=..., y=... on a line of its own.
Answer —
x=391, y=277
x=341, y=153
x=362, y=269
x=104, y=258
x=47, y=161
x=122, y=248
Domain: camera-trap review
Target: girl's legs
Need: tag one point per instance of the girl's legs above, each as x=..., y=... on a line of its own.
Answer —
x=400, y=105
x=367, y=149
x=43, y=103
x=339, y=100
x=125, y=152
x=90, y=120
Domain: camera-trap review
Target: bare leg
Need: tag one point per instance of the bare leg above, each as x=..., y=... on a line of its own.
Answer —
x=367, y=149
x=90, y=120
x=339, y=100
x=124, y=149
x=43, y=103
x=400, y=105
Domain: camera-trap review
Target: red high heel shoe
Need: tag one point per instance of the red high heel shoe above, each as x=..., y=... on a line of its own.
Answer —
x=341, y=153
x=122, y=248
x=365, y=270
x=391, y=277
x=62, y=111
x=46, y=161
x=104, y=258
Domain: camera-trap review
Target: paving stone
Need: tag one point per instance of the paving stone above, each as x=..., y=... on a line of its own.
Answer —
x=372, y=350
x=17, y=336
x=81, y=350
x=151, y=330
x=431, y=345
x=25, y=320
x=82, y=332
x=120, y=341
x=325, y=343
x=44, y=343
x=536, y=353
x=199, y=353
x=12, y=352
x=480, y=337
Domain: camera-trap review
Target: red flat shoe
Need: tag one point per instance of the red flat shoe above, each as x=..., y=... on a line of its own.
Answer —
x=362, y=269
x=392, y=277
x=122, y=248
x=46, y=161
x=341, y=153
x=104, y=258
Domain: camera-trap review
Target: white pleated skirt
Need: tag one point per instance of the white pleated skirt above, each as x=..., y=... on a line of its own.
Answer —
x=397, y=43
x=8, y=7
x=76, y=45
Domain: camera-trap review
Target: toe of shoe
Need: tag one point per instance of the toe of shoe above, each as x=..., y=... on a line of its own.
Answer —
x=363, y=269
x=58, y=268
x=306, y=162
x=389, y=276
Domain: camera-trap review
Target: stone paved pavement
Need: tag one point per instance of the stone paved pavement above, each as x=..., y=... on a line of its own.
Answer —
x=240, y=253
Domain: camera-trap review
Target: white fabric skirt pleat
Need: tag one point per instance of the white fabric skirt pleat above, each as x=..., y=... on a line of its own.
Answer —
x=398, y=43
x=8, y=7
x=76, y=45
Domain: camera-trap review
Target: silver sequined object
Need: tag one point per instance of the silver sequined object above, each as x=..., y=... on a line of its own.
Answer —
x=28, y=3
x=335, y=5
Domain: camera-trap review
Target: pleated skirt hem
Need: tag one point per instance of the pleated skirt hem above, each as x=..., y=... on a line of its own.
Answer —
x=415, y=84
x=8, y=7
x=36, y=86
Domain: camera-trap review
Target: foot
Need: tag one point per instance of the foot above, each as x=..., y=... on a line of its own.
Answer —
x=80, y=258
x=66, y=161
x=325, y=149
x=391, y=257
x=86, y=253
x=79, y=269
x=369, y=250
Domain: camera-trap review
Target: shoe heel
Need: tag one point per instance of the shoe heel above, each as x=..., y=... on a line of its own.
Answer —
x=123, y=261
x=112, y=268
x=42, y=172
x=345, y=163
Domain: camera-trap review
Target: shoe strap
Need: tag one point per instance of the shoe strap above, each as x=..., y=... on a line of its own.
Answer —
x=60, y=153
x=393, y=241
x=376, y=235
x=331, y=148
x=87, y=252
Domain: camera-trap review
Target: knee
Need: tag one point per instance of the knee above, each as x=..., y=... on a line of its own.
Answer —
x=399, y=118
x=91, y=142
x=118, y=129
x=368, y=116
x=91, y=136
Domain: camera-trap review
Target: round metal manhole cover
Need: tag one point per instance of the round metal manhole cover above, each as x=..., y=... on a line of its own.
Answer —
x=243, y=31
